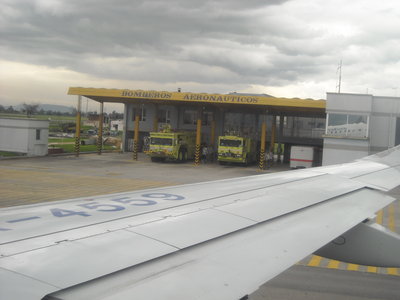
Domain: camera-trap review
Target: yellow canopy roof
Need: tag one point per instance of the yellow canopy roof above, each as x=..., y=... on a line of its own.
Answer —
x=126, y=96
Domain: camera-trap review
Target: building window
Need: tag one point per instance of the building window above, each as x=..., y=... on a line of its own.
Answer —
x=164, y=116
x=142, y=113
x=190, y=117
x=285, y=121
x=345, y=125
x=207, y=118
x=37, y=134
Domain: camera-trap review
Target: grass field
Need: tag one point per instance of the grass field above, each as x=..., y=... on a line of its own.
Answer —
x=41, y=117
x=69, y=148
x=10, y=154
x=56, y=122
x=61, y=140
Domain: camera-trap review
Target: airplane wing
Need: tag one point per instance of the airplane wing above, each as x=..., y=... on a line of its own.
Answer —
x=212, y=240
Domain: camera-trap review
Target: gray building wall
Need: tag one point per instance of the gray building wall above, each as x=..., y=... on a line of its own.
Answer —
x=349, y=142
x=356, y=103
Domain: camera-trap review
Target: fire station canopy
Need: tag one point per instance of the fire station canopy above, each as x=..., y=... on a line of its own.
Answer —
x=272, y=105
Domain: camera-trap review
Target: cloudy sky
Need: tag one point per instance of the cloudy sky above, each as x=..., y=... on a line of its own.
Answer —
x=284, y=48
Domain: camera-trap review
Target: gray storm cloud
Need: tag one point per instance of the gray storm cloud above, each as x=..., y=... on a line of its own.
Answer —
x=148, y=40
x=234, y=43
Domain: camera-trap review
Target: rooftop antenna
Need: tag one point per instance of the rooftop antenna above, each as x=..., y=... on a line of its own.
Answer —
x=339, y=69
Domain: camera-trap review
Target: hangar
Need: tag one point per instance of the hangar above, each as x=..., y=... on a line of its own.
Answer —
x=265, y=118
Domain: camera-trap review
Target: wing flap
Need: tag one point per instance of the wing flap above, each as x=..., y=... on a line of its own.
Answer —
x=385, y=179
x=190, y=229
x=353, y=169
x=287, y=198
x=72, y=262
x=16, y=286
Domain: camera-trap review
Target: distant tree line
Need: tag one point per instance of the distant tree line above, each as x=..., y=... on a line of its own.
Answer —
x=9, y=110
x=109, y=116
x=33, y=109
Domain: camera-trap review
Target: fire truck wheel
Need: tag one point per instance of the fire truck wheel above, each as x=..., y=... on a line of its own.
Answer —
x=185, y=156
x=180, y=156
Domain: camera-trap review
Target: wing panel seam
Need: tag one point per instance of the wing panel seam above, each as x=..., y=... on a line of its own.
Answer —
x=30, y=277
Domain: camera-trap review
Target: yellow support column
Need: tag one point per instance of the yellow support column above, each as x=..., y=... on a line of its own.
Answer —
x=273, y=132
x=212, y=139
x=136, y=137
x=100, y=131
x=212, y=148
x=78, y=127
x=197, y=155
x=281, y=123
x=262, y=146
x=155, y=120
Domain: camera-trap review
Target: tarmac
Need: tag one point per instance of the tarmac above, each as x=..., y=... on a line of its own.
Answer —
x=51, y=178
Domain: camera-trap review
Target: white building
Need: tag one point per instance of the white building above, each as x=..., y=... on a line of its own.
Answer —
x=117, y=125
x=358, y=125
x=28, y=136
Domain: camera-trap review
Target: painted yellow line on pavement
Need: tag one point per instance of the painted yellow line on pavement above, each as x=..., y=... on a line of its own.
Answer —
x=393, y=271
x=333, y=264
x=315, y=261
x=352, y=267
x=372, y=269
x=379, y=217
x=392, y=225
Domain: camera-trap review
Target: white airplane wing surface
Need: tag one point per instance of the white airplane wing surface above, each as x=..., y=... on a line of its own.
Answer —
x=212, y=240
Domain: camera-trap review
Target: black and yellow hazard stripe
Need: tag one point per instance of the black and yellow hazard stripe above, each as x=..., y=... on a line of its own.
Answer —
x=99, y=144
x=262, y=159
x=197, y=155
x=135, y=150
x=77, y=145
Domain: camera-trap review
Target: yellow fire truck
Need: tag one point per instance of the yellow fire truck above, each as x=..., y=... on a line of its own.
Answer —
x=236, y=149
x=175, y=146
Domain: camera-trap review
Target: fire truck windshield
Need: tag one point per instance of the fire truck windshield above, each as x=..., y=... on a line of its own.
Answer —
x=161, y=141
x=230, y=143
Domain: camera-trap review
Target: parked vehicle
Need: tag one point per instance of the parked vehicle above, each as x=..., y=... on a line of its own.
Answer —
x=236, y=149
x=175, y=146
x=304, y=157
